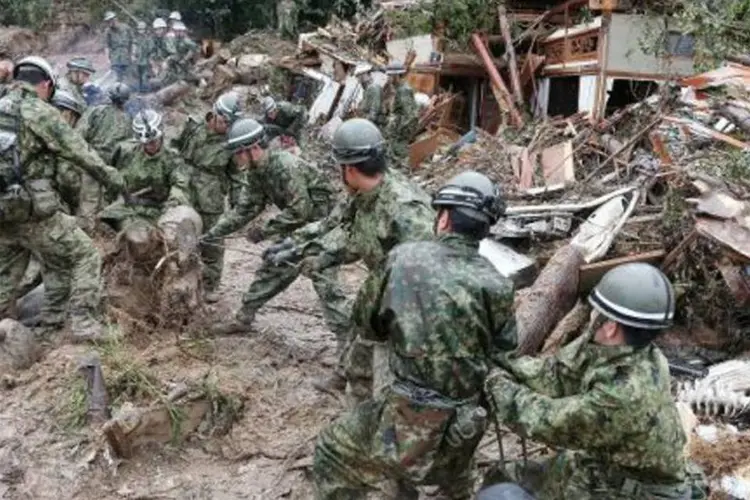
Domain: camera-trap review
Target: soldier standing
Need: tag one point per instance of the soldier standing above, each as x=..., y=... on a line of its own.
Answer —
x=159, y=46
x=68, y=176
x=213, y=178
x=155, y=176
x=287, y=14
x=142, y=50
x=384, y=209
x=604, y=399
x=303, y=194
x=371, y=107
x=80, y=70
x=119, y=45
x=174, y=18
x=284, y=120
x=183, y=52
x=442, y=308
x=33, y=221
x=404, y=112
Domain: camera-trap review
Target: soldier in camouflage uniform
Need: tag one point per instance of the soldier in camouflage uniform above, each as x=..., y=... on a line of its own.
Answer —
x=384, y=209
x=103, y=126
x=284, y=120
x=69, y=177
x=287, y=14
x=155, y=176
x=159, y=46
x=32, y=220
x=142, y=49
x=119, y=45
x=403, y=114
x=80, y=70
x=371, y=107
x=604, y=399
x=213, y=178
x=303, y=194
x=442, y=308
x=182, y=53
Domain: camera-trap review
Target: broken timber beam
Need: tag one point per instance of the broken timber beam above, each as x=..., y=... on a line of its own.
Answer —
x=590, y=274
x=515, y=79
x=499, y=89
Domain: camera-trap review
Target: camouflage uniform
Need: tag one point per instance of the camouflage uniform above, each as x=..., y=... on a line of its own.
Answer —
x=442, y=308
x=371, y=106
x=159, y=49
x=70, y=261
x=289, y=121
x=213, y=177
x=179, y=62
x=142, y=50
x=76, y=90
x=119, y=42
x=103, y=126
x=396, y=211
x=402, y=122
x=303, y=194
x=287, y=13
x=164, y=173
x=612, y=411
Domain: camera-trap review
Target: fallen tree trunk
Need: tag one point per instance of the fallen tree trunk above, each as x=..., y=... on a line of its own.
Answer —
x=171, y=93
x=548, y=300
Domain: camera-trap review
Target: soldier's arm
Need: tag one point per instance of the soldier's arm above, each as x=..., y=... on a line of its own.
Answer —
x=374, y=107
x=60, y=138
x=190, y=53
x=318, y=228
x=367, y=304
x=179, y=178
x=295, y=128
x=250, y=204
x=298, y=211
x=594, y=419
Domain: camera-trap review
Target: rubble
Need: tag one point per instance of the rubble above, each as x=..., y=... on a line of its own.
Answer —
x=19, y=348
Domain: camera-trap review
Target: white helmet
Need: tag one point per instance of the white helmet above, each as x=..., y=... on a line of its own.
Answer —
x=175, y=16
x=147, y=126
x=178, y=26
x=109, y=15
x=159, y=23
x=39, y=63
x=268, y=104
x=141, y=26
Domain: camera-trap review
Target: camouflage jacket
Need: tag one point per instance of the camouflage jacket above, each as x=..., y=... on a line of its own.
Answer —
x=181, y=53
x=142, y=49
x=372, y=223
x=159, y=48
x=73, y=88
x=119, y=42
x=610, y=407
x=301, y=191
x=105, y=126
x=371, y=106
x=442, y=308
x=289, y=121
x=44, y=139
x=404, y=113
x=163, y=175
x=212, y=173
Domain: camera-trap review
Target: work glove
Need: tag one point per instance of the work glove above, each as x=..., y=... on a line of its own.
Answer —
x=255, y=234
x=285, y=244
x=501, y=389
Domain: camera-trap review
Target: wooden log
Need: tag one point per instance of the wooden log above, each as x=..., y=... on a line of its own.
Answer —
x=181, y=228
x=515, y=79
x=566, y=329
x=737, y=115
x=549, y=299
x=590, y=274
x=171, y=93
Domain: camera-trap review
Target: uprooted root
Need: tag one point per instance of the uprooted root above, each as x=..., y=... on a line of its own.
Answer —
x=723, y=457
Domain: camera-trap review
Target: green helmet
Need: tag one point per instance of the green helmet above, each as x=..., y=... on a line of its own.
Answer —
x=39, y=63
x=119, y=93
x=228, y=106
x=65, y=99
x=356, y=141
x=81, y=64
x=473, y=195
x=637, y=295
x=147, y=126
x=244, y=133
x=269, y=104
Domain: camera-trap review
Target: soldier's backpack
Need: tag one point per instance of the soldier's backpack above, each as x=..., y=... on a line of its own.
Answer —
x=15, y=201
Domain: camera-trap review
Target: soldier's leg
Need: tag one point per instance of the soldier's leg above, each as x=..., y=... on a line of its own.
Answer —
x=454, y=470
x=212, y=255
x=269, y=281
x=344, y=467
x=335, y=305
x=72, y=274
x=13, y=262
x=357, y=365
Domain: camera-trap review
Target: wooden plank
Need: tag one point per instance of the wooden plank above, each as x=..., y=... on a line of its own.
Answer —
x=727, y=233
x=515, y=79
x=422, y=149
x=590, y=274
x=557, y=164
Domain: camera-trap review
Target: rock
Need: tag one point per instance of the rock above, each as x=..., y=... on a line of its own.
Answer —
x=29, y=307
x=18, y=346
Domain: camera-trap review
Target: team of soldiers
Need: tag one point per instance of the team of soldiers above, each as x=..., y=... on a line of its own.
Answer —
x=150, y=60
x=442, y=311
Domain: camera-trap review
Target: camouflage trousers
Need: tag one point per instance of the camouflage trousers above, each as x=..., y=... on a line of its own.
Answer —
x=271, y=280
x=71, y=267
x=212, y=255
x=391, y=438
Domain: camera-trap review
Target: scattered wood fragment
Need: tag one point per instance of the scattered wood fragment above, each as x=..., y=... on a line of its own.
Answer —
x=590, y=274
